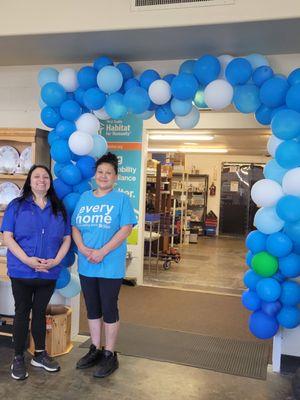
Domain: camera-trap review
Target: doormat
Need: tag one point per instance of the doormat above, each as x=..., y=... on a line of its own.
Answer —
x=229, y=356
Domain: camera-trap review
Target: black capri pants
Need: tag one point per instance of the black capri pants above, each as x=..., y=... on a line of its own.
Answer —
x=101, y=297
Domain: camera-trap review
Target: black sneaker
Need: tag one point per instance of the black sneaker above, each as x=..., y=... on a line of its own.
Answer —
x=43, y=360
x=18, y=368
x=108, y=364
x=90, y=359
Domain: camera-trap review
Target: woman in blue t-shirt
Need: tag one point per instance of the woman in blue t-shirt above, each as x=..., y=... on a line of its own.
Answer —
x=101, y=223
x=37, y=233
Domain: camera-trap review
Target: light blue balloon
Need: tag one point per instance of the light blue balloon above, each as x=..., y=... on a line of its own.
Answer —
x=246, y=98
x=181, y=107
x=267, y=221
x=47, y=75
x=72, y=289
x=146, y=115
x=100, y=147
x=257, y=60
x=109, y=79
x=137, y=100
x=115, y=106
x=274, y=171
x=188, y=121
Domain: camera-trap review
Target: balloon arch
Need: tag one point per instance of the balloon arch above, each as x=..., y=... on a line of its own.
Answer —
x=73, y=102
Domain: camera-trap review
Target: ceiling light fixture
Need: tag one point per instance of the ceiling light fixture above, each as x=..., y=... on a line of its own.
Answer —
x=198, y=138
x=186, y=150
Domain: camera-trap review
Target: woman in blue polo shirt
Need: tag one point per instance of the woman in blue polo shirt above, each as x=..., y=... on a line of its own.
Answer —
x=37, y=233
x=101, y=223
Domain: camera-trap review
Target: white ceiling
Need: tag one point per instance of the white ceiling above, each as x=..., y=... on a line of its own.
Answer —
x=266, y=37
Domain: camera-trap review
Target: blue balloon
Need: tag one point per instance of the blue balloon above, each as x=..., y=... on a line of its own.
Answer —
x=263, y=115
x=87, y=77
x=146, y=114
x=109, y=79
x=130, y=83
x=267, y=221
x=147, y=77
x=70, y=201
x=288, y=208
x=290, y=293
x=50, y=116
x=68, y=260
x=251, y=279
x=53, y=94
x=181, y=107
x=61, y=189
x=262, y=74
x=169, y=78
x=152, y=106
x=293, y=97
x=287, y=154
x=79, y=96
x=206, y=69
x=94, y=98
x=164, y=114
x=249, y=256
x=238, y=71
x=47, y=75
x=263, y=326
x=126, y=70
x=294, y=77
x=296, y=248
x=272, y=170
x=257, y=60
x=82, y=187
x=275, y=110
x=63, y=278
x=60, y=151
x=289, y=317
x=58, y=167
x=72, y=289
x=188, y=121
x=101, y=62
x=199, y=101
x=70, y=175
x=42, y=104
x=271, y=308
x=187, y=67
x=184, y=86
x=246, y=98
x=137, y=100
x=292, y=229
x=273, y=92
x=290, y=265
x=279, y=277
x=52, y=136
x=70, y=110
x=268, y=289
x=286, y=124
x=279, y=245
x=87, y=166
x=250, y=300
x=65, y=129
x=115, y=106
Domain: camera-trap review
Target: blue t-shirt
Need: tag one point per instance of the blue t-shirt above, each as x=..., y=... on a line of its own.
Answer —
x=98, y=219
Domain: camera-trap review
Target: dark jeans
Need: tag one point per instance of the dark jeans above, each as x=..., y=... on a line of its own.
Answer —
x=30, y=294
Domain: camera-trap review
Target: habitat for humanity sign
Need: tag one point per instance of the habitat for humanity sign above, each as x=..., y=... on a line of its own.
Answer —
x=124, y=138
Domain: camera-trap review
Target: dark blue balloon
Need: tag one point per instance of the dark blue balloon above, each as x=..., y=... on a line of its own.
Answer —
x=68, y=260
x=271, y=308
x=79, y=94
x=249, y=257
x=292, y=229
x=289, y=317
x=147, y=77
x=287, y=154
x=63, y=279
x=251, y=279
x=169, y=78
x=293, y=97
x=256, y=241
x=263, y=326
x=290, y=293
x=294, y=77
x=70, y=201
x=268, y=289
x=184, y=86
x=94, y=98
x=279, y=277
x=70, y=110
x=52, y=136
x=50, y=117
x=206, y=69
x=87, y=77
x=279, y=245
x=65, y=129
x=101, y=62
x=53, y=94
x=58, y=167
x=61, y=188
x=296, y=248
x=137, y=100
x=286, y=124
x=164, y=114
x=273, y=92
x=290, y=265
x=263, y=115
x=238, y=71
x=187, y=67
x=131, y=83
x=288, y=208
x=60, y=151
x=82, y=187
x=250, y=300
x=87, y=166
x=261, y=74
x=70, y=175
x=126, y=71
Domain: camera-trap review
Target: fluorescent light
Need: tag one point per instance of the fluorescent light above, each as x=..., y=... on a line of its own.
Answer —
x=186, y=150
x=181, y=137
x=190, y=143
x=159, y=150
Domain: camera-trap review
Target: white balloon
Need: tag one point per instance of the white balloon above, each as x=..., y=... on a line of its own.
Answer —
x=88, y=123
x=188, y=121
x=218, y=94
x=224, y=60
x=272, y=145
x=101, y=114
x=68, y=79
x=159, y=92
x=291, y=182
x=81, y=143
x=266, y=193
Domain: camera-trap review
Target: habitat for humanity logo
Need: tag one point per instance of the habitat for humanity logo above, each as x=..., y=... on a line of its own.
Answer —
x=114, y=127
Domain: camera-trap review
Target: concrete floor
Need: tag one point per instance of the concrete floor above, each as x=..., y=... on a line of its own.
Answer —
x=137, y=379
x=213, y=264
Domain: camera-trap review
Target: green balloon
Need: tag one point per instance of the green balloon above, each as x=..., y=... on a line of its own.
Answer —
x=264, y=264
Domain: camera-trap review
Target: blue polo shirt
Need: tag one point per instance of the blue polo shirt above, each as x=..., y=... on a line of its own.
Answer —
x=98, y=219
x=38, y=232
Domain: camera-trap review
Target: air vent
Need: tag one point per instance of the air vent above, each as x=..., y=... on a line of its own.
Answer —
x=145, y=5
